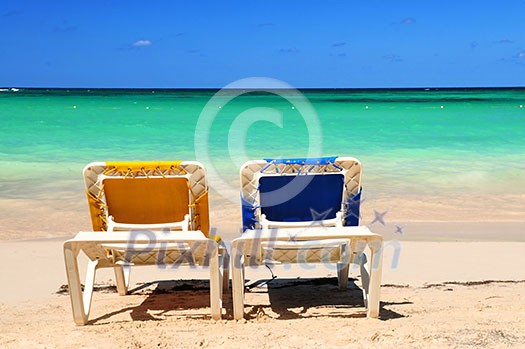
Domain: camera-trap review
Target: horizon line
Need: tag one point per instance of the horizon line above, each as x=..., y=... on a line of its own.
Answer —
x=11, y=88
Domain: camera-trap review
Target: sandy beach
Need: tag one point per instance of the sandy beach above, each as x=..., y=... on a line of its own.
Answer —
x=442, y=294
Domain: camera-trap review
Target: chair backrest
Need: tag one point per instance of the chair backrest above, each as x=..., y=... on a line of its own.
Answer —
x=147, y=200
x=321, y=196
x=147, y=193
x=300, y=190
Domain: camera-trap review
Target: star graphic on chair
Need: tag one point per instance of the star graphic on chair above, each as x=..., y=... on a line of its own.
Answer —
x=379, y=217
x=318, y=217
x=399, y=230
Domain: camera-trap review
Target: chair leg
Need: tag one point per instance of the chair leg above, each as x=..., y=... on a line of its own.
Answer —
x=215, y=284
x=80, y=301
x=122, y=273
x=365, y=277
x=376, y=270
x=343, y=266
x=225, y=271
x=237, y=281
x=342, y=275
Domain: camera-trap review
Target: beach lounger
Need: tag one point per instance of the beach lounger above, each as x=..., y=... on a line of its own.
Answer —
x=305, y=211
x=145, y=213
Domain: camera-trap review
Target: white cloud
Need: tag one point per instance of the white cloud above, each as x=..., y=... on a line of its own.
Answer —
x=408, y=21
x=289, y=50
x=141, y=43
x=504, y=41
x=393, y=58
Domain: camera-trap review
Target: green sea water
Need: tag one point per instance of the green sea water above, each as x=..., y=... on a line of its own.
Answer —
x=420, y=141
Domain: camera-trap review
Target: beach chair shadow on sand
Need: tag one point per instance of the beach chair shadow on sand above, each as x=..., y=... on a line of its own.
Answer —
x=165, y=299
x=307, y=297
x=145, y=213
x=305, y=211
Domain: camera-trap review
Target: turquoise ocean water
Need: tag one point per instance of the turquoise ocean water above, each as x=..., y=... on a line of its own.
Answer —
x=420, y=142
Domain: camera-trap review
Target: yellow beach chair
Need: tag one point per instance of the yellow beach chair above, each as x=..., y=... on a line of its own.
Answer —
x=305, y=211
x=145, y=213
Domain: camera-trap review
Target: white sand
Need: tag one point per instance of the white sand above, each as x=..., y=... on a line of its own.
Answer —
x=428, y=299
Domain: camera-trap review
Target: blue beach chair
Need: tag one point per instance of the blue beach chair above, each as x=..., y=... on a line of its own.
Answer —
x=304, y=211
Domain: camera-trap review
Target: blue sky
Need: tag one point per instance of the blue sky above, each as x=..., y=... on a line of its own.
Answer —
x=174, y=44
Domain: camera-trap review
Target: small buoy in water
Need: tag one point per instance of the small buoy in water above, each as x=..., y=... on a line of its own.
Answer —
x=220, y=106
x=147, y=107
x=366, y=107
x=442, y=107
x=293, y=107
x=521, y=106
x=74, y=107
